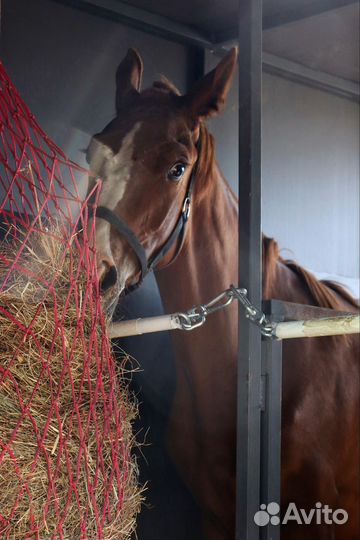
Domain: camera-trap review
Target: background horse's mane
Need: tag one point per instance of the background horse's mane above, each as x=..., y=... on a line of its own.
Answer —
x=324, y=293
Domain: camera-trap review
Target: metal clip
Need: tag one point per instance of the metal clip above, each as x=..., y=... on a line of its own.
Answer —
x=190, y=320
x=196, y=317
x=186, y=208
x=254, y=314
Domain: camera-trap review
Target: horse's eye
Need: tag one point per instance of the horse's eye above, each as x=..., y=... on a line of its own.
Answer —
x=176, y=171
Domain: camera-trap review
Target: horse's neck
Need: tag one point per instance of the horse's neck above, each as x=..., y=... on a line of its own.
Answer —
x=205, y=358
x=208, y=262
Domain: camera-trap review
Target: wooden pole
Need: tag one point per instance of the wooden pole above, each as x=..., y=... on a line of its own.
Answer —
x=330, y=326
x=136, y=327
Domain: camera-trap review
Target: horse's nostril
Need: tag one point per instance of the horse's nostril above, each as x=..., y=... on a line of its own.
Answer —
x=109, y=279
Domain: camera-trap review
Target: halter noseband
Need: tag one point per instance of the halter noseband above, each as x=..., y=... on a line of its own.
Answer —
x=133, y=241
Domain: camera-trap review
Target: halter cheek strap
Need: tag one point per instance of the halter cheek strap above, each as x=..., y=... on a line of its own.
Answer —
x=125, y=231
x=133, y=241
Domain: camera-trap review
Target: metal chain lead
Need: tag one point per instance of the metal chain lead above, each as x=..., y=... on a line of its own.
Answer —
x=196, y=317
x=254, y=314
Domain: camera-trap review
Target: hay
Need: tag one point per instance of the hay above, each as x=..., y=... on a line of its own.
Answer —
x=55, y=481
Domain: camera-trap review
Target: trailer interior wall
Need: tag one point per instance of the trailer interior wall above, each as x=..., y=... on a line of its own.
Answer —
x=63, y=61
x=310, y=168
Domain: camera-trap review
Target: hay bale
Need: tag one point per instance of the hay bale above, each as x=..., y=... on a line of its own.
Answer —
x=66, y=468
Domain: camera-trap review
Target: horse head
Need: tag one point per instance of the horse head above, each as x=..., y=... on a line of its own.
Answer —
x=146, y=158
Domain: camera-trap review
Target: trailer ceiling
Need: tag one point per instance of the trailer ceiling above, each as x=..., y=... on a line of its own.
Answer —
x=328, y=42
x=320, y=34
x=218, y=18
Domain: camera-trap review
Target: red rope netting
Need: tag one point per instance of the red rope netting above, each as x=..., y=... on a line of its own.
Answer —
x=65, y=419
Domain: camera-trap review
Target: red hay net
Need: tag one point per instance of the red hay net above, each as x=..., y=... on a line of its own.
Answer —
x=64, y=471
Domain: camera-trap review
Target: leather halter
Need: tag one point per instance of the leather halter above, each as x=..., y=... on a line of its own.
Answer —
x=147, y=265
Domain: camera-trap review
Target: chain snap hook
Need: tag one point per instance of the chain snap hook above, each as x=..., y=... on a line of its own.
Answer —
x=196, y=317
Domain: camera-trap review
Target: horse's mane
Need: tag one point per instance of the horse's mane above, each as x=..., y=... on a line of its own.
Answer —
x=324, y=293
x=270, y=258
x=206, y=156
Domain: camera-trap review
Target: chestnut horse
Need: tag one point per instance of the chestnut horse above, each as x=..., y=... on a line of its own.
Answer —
x=156, y=159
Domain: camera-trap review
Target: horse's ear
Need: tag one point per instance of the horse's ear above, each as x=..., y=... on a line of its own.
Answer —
x=128, y=77
x=209, y=94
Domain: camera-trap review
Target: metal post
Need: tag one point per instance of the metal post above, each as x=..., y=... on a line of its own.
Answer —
x=270, y=470
x=195, y=65
x=249, y=360
x=270, y=485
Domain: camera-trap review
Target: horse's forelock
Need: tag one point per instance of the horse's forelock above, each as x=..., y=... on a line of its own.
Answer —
x=164, y=85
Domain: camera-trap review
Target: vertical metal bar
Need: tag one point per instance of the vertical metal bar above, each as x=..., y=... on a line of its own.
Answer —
x=195, y=61
x=249, y=359
x=270, y=470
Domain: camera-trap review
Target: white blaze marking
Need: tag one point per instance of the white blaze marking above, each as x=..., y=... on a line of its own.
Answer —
x=115, y=173
x=117, y=170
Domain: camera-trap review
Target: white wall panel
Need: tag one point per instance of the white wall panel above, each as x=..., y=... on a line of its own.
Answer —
x=310, y=170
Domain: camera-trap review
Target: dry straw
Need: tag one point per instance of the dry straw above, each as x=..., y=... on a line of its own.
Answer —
x=60, y=476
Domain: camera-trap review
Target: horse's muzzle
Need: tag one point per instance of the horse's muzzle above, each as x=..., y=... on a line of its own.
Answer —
x=108, y=279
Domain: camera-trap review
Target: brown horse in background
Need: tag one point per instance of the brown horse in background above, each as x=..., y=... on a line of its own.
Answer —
x=147, y=157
